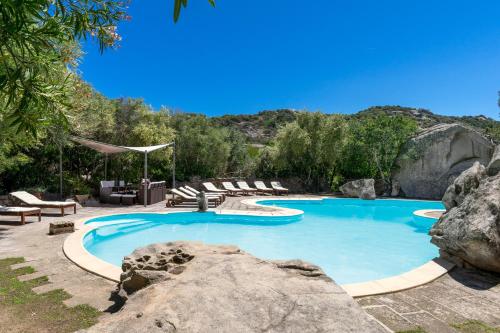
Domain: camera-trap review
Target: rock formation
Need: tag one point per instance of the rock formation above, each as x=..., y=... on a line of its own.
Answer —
x=470, y=232
x=467, y=182
x=206, y=288
x=494, y=166
x=430, y=162
x=361, y=188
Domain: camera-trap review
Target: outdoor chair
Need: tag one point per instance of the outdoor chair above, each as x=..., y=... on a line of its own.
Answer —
x=32, y=201
x=233, y=190
x=278, y=188
x=192, y=192
x=263, y=188
x=22, y=212
x=244, y=186
x=222, y=195
x=184, y=198
x=211, y=187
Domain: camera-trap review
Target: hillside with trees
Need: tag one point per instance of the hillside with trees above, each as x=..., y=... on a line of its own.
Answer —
x=314, y=147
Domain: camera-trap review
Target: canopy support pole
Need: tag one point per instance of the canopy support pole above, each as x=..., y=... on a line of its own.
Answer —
x=173, y=167
x=145, y=179
x=106, y=166
x=60, y=172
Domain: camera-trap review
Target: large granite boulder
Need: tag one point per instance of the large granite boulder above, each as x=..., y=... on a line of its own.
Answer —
x=467, y=182
x=361, y=188
x=470, y=233
x=430, y=162
x=222, y=289
x=494, y=165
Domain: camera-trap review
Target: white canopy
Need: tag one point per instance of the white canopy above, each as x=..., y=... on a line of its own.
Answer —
x=107, y=148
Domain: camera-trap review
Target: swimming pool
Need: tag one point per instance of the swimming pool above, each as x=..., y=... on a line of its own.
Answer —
x=352, y=240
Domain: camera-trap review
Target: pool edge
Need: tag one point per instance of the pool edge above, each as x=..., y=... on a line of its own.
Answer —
x=75, y=251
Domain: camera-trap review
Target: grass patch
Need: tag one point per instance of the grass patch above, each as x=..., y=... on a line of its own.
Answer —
x=475, y=326
x=415, y=330
x=22, y=310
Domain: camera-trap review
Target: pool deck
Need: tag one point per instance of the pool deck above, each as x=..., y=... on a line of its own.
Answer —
x=453, y=298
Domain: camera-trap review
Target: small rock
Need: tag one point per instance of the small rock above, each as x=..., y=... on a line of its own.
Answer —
x=361, y=188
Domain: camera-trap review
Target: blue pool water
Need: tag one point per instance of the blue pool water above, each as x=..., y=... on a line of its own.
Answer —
x=352, y=240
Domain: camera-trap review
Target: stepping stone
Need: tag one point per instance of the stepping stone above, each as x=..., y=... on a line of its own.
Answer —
x=20, y=265
x=32, y=276
x=45, y=288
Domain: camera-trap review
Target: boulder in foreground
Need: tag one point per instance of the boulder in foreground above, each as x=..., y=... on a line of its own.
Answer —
x=361, y=188
x=470, y=232
x=222, y=289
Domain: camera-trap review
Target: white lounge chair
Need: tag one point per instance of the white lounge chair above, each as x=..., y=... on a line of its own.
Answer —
x=233, y=190
x=183, y=197
x=211, y=187
x=244, y=186
x=222, y=195
x=263, y=188
x=32, y=201
x=21, y=211
x=194, y=193
x=278, y=188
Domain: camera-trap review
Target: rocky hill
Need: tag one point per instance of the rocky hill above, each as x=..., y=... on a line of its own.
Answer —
x=262, y=127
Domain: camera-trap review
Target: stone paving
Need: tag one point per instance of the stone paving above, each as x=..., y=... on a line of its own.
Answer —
x=454, y=298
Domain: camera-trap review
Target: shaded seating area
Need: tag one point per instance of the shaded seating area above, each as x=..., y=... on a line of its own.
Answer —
x=29, y=200
x=22, y=212
x=146, y=193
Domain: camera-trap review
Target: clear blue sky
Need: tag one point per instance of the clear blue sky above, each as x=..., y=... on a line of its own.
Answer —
x=328, y=55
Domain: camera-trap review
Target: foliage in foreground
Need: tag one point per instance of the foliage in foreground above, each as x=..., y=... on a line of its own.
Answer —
x=475, y=326
x=25, y=311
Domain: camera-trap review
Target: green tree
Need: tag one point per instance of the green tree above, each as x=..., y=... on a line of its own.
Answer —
x=374, y=143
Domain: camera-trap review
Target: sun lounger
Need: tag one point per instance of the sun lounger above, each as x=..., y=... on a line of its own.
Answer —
x=278, y=188
x=263, y=188
x=211, y=187
x=183, y=197
x=32, y=201
x=244, y=186
x=233, y=190
x=195, y=191
x=190, y=193
x=22, y=212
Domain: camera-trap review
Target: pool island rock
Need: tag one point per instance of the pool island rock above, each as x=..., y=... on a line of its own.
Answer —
x=193, y=287
x=360, y=188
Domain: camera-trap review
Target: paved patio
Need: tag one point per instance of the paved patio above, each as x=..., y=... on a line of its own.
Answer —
x=454, y=298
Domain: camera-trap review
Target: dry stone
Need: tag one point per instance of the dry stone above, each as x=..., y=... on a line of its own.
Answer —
x=361, y=188
x=470, y=232
x=431, y=161
x=223, y=289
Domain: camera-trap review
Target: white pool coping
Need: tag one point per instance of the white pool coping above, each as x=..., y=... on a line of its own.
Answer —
x=75, y=251
x=424, y=212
